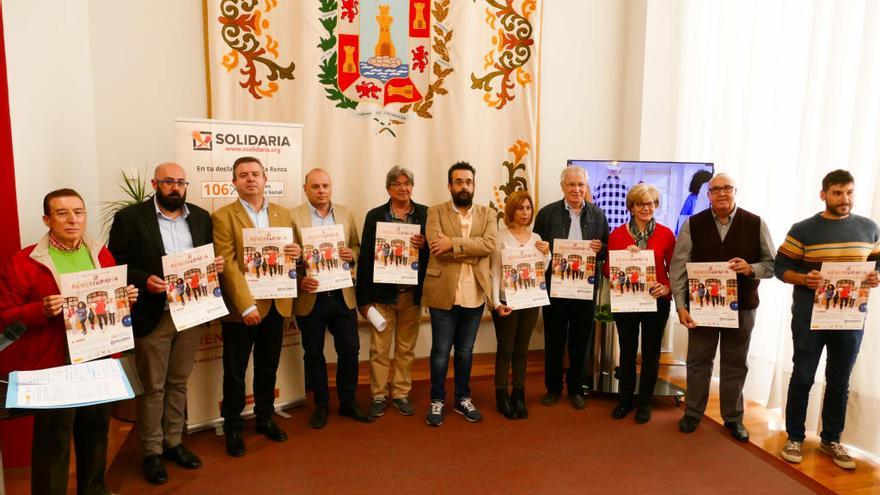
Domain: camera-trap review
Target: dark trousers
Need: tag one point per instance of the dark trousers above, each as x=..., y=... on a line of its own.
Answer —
x=50, y=456
x=331, y=313
x=842, y=347
x=238, y=340
x=513, y=332
x=702, y=345
x=652, y=327
x=566, y=322
x=453, y=327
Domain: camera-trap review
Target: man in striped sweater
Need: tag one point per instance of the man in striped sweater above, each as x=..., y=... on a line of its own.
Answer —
x=832, y=235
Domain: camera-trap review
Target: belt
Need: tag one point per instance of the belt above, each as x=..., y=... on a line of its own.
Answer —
x=330, y=293
x=403, y=291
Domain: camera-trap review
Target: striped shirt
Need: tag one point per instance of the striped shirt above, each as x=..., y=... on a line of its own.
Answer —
x=815, y=240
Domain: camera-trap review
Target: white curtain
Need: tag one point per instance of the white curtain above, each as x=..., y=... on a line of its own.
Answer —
x=778, y=93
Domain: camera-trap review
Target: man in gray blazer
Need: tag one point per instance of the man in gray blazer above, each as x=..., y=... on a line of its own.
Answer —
x=461, y=236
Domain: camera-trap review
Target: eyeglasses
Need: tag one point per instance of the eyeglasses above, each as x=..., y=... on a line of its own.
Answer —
x=652, y=205
x=77, y=213
x=721, y=189
x=400, y=185
x=169, y=182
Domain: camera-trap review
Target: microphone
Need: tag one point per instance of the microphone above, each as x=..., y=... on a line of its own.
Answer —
x=11, y=333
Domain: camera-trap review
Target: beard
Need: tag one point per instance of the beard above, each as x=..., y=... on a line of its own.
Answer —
x=172, y=202
x=463, y=199
x=840, y=210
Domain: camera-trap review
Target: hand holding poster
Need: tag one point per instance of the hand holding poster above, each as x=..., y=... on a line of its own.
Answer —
x=192, y=287
x=573, y=274
x=841, y=302
x=321, y=252
x=395, y=260
x=712, y=291
x=96, y=313
x=268, y=272
x=522, y=272
x=631, y=275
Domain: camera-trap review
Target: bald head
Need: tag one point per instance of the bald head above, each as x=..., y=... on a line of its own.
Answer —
x=722, y=195
x=169, y=182
x=722, y=179
x=169, y=169
x=318, y=188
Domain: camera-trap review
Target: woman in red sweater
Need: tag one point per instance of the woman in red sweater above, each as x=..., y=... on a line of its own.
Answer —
x=642, y=232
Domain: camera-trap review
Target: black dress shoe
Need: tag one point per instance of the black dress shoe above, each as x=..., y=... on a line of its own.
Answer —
x=234, y=443
x=578, y=401
x=688, y=424
x=154, y=470
x=356, y=414
x=621, y=410
x=738, y=431
x=643, y=414
x=550, y=398
x=319, y=418
x=183, y=457
x=272, y=431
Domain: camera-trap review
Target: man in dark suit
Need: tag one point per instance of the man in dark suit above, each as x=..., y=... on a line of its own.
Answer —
x=141, y=234
x=569, y=322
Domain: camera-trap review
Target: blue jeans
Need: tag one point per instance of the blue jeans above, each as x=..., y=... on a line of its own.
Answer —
x=842, y=348
x=457, y=326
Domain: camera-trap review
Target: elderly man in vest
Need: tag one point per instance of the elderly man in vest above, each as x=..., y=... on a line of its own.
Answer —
x=723, y=232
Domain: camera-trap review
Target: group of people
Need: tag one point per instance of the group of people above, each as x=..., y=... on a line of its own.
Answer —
x=459, y=272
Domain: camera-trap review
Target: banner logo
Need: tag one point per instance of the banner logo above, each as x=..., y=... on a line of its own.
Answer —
x=202, y=141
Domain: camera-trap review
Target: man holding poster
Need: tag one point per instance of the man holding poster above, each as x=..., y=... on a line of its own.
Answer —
x=319, y=310
x=251, y=324
x=722, y=232
x=140, y=236
x=835, y=235
x=399, y=304
x=29, y=293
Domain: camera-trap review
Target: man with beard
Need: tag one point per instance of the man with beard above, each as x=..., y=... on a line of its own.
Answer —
x=141, y=234
x=461, y=237
x=832, y=235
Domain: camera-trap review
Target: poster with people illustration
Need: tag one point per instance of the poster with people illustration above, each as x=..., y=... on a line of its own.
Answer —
x=573, y=270
x=395, y=260
x=713, y=295
x=841, y=301
x=268, y=272
x=96, y=313
x=192, y=287
x=631, y=274
x=522, y=272
x=321, y=252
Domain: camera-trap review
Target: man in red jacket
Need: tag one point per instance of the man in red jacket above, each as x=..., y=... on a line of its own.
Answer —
x=29, y=293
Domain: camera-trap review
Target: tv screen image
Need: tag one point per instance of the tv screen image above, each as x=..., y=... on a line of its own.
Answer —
x=683, y=188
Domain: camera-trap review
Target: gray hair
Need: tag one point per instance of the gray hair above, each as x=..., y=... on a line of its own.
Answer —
x=395, y=172
x=574, y=169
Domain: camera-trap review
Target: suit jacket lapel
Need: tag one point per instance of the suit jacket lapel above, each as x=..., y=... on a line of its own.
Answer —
x=242, y=215
x=153, y=227
x=452, y=219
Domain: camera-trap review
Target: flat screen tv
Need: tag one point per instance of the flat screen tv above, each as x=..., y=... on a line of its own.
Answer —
x=682, y=187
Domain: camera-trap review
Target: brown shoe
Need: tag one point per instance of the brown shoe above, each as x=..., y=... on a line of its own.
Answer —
x=838, y=454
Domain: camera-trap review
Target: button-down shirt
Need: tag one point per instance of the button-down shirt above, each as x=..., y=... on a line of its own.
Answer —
x=260, y=218
x=468, y=293
x=176, y=236
x=682, y=255
x=574, y=232
x=318, y=220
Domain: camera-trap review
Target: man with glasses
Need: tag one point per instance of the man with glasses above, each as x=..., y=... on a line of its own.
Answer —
x=569, y=322
x=140, y=236
x=461, y=238
x=722, y=232
x=29, y=294
x=400, y=305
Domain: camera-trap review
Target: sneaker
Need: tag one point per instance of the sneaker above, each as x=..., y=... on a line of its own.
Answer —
x=403, y=406
x=466, y=408
x=435, y=414
x=793, y=451
x=838, y=454
x=377, y=407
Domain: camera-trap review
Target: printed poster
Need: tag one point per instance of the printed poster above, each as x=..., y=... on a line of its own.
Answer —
x=96, y=313
x=395, y=260
x=269, y=273
x=522, y=272
x=713, y=295
x=321, y=251
x=631, y=275
x=192, y=288
x=841, y=302
x=573, y=274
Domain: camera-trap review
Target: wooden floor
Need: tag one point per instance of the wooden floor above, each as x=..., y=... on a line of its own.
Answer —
x=766, y=428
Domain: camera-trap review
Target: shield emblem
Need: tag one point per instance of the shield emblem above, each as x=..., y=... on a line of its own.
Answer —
x=383, y=50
